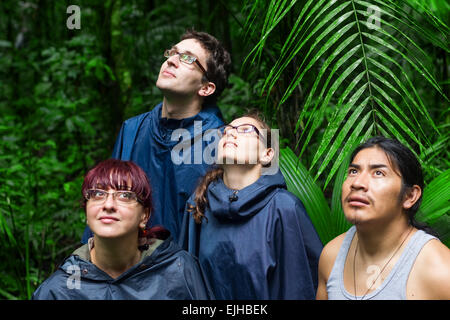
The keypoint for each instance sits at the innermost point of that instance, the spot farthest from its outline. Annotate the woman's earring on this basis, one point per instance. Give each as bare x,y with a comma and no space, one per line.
142,239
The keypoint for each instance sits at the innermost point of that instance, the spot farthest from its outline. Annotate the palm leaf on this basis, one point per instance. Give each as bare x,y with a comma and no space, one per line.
435,207
436,199
340,223
300,183
276,10
364,74
435,150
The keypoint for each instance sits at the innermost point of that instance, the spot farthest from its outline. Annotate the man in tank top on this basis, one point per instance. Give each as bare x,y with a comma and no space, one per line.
386,254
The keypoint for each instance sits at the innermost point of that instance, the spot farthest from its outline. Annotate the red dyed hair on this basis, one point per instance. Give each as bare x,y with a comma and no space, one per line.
119,175
124,175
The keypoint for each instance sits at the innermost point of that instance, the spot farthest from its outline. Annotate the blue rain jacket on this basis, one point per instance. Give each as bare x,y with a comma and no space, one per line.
258,243
164,272
148,140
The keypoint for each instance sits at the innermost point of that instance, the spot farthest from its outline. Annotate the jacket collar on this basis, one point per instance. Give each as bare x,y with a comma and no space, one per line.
226,204
84,252
80,261
210,117
207,113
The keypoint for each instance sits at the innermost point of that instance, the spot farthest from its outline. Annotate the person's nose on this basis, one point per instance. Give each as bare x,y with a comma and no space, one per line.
110,203
231,132
360,182
174,60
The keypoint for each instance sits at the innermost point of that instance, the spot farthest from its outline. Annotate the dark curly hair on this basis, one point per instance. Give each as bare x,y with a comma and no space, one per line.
218,62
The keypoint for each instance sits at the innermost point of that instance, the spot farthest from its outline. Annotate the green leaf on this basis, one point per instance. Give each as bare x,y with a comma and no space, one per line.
343,75
351,142
300,183
436,199
6,230
341,110
292,38
268,27
380,61
343,133
337,214
8,295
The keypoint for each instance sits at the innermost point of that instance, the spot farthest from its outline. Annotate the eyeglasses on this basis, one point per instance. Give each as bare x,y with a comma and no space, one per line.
245,129
184,57
123,197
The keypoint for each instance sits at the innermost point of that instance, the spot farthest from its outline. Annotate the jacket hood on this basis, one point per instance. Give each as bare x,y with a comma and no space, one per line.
80,261
210,117
234,205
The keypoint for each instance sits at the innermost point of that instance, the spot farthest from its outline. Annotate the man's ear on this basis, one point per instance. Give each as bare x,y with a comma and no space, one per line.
267,156
411,196
207,89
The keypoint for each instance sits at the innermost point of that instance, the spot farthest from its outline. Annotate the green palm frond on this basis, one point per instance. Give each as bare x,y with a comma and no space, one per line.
363,56
300,183
436,199
435,207
338,221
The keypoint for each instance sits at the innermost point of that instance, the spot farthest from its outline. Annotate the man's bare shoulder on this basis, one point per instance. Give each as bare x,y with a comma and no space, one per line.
332,247
326,263
329,254
430,276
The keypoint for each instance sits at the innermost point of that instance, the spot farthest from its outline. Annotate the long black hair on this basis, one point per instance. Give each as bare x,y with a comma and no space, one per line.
402,158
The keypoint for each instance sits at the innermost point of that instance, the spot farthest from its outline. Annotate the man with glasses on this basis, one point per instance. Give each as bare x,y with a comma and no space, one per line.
191,79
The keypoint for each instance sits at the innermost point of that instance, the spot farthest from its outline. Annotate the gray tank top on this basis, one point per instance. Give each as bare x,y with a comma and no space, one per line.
393,287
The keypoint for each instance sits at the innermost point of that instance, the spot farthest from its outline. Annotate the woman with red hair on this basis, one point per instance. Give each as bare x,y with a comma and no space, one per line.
124,259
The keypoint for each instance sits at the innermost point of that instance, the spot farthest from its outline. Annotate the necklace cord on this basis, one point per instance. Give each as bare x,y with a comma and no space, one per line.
384,267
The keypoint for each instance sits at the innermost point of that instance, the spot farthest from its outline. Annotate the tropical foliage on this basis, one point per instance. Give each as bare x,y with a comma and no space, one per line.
328,74
355,69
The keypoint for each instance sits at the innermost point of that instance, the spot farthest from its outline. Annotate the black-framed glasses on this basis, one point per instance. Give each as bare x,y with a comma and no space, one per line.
99,196
244,129
184,57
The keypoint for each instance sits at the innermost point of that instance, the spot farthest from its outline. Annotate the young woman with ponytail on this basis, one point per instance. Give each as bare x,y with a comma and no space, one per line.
253,238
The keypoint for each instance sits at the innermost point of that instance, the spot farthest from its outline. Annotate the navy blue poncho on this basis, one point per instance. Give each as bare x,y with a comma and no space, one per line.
164,272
